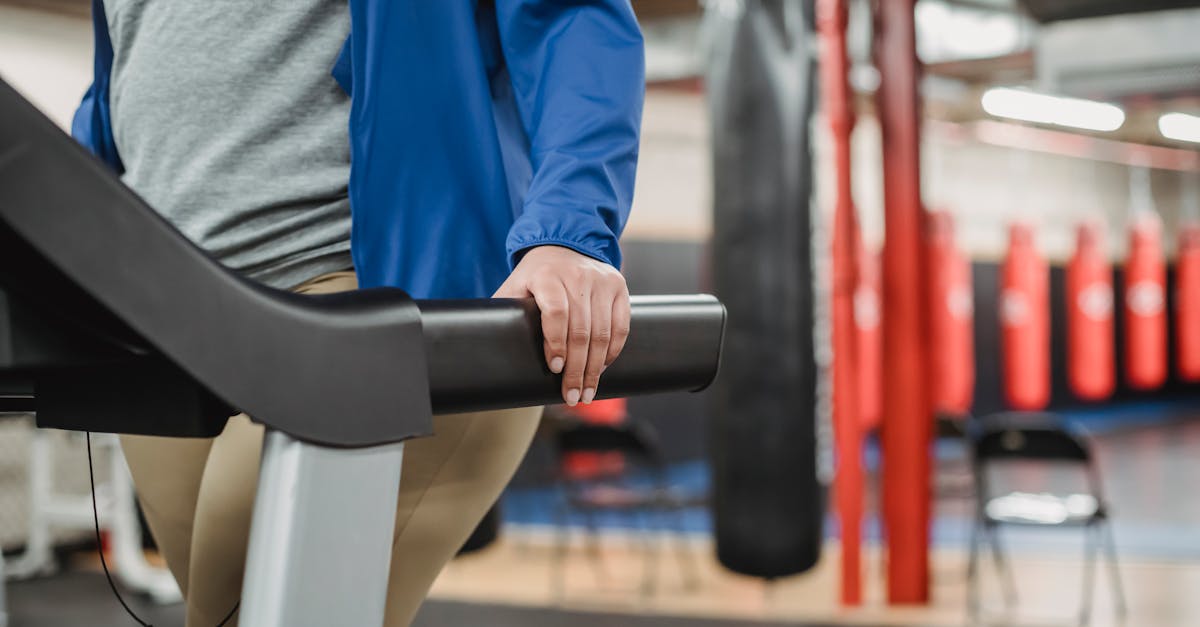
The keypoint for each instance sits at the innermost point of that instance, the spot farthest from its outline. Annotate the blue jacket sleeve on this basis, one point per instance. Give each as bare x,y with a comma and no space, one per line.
83,124
92,124
578,71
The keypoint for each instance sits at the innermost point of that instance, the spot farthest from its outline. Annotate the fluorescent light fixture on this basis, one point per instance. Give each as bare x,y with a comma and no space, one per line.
1180,126
1022,104
947,32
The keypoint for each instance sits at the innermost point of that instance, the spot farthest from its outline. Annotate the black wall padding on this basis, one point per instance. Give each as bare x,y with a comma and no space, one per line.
1057,10
767,502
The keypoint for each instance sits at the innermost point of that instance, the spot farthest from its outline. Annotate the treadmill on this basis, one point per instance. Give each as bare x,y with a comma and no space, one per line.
111,321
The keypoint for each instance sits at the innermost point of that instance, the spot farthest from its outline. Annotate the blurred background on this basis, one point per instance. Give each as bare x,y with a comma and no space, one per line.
959,241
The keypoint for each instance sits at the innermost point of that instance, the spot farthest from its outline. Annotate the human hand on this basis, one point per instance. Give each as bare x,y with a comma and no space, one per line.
585,314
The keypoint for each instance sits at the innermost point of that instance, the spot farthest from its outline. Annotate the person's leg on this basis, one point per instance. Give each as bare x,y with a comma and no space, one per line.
167,473
447,484
225,503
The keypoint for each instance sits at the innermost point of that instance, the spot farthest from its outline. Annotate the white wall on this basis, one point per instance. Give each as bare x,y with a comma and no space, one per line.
987,187
47,57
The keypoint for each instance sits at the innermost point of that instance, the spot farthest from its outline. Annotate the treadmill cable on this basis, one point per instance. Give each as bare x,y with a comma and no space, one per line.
100,548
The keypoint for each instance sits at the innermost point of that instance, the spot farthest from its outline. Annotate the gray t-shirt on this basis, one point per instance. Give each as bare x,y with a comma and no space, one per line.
230,125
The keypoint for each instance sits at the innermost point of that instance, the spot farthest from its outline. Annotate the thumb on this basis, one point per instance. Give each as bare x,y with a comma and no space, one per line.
513,287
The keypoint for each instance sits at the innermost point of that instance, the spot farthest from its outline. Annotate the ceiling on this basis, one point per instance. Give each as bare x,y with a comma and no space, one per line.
1057,10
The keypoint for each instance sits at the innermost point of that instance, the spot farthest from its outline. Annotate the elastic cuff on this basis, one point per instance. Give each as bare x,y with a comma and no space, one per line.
520,249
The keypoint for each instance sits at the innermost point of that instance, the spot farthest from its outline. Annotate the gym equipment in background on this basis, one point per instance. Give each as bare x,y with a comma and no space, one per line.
907,429
1187,304
1091,370
484,534
1144,299
1025,322
51,509
868,322
846,248
951,320
767,502
112,321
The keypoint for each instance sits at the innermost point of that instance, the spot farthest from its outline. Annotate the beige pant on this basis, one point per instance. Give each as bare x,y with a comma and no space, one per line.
198,494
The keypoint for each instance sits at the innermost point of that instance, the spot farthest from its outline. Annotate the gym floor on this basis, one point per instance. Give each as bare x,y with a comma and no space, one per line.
514,582
39,604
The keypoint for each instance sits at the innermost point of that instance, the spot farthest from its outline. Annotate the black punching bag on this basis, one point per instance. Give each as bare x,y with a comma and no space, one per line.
767,502
485,532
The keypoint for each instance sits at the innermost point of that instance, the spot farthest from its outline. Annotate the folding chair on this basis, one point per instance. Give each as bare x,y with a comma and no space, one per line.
1043,439
639,488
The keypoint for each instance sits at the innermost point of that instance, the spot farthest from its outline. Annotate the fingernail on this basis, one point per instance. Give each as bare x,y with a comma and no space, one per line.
556,365
572,396
603,368
588,395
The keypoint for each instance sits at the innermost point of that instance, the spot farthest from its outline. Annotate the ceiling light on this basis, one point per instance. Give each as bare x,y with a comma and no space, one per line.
1180,126
1021,104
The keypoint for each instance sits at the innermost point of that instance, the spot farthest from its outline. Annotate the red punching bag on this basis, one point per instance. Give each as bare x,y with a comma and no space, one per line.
1145,306
951,319
1187,303
868,340
1090,371
1025,322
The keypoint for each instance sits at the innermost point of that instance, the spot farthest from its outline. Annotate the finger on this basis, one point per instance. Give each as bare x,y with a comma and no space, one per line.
621,317
598,342
551,299
578,333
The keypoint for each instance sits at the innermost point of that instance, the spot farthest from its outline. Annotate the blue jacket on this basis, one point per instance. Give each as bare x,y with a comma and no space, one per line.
478,129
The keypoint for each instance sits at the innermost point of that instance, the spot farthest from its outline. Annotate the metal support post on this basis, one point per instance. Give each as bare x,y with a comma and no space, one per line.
321,537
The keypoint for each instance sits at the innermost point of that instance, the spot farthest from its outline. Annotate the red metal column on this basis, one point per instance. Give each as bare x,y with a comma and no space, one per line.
907,424
848,482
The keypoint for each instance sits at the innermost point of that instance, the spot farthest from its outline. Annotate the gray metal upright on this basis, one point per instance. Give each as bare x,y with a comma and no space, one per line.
321,537
3,602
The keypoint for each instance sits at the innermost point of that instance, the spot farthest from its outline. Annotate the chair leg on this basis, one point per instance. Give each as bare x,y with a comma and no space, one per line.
558,573
1003,569
1089,573
650,558
687,562
1118,589
973,574
595,554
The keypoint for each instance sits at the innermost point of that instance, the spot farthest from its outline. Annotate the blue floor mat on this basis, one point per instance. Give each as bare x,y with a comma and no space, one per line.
1135,536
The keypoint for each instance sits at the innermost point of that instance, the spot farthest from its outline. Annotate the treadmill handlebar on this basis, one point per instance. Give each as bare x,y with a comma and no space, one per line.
472,355
487,354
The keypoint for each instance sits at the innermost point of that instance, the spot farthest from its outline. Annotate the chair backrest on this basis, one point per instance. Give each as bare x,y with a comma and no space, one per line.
1027,436
631,438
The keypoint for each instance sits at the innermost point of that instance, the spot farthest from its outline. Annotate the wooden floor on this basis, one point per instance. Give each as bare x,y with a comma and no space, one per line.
518,571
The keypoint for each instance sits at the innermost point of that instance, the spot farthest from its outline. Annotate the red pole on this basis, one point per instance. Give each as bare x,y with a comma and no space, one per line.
848,482
906,420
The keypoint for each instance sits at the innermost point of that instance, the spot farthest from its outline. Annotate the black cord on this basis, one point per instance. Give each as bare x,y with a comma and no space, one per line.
100,548
99,542
230,614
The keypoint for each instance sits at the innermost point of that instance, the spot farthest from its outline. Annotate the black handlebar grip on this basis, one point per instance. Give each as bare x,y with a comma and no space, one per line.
487,354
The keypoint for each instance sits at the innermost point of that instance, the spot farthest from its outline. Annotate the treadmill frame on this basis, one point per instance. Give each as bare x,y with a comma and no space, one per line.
321,535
